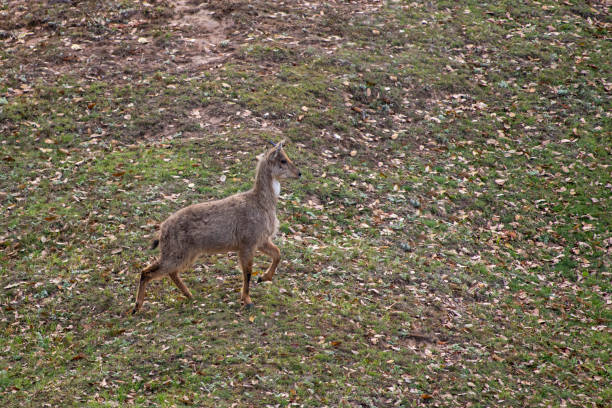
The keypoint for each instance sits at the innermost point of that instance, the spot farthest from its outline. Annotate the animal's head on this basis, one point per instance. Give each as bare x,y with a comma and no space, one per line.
279,163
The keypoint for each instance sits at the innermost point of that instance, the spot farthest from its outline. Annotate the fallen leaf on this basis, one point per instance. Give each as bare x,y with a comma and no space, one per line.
14,285
79,356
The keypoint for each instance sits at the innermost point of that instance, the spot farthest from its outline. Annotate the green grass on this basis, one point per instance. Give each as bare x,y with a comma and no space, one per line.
448,245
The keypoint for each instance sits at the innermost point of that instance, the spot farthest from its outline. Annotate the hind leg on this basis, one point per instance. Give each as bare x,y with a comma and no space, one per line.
154,271
181,285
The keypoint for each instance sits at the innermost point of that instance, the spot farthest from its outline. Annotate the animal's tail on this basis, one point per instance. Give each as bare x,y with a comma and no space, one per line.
155,244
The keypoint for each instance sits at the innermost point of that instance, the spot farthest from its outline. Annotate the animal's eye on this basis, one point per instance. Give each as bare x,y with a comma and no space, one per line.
283,161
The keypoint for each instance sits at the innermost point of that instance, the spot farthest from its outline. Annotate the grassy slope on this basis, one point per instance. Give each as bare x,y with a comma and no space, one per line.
449,245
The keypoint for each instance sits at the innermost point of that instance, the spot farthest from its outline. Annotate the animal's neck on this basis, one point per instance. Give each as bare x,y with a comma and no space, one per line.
266,187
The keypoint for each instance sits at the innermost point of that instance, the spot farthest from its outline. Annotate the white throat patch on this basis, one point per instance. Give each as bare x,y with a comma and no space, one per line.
276,187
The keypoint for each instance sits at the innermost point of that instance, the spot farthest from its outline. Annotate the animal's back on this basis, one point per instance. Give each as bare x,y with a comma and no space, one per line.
209,227
217,226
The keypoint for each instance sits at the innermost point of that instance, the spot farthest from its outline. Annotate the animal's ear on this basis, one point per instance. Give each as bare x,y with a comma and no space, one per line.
276,149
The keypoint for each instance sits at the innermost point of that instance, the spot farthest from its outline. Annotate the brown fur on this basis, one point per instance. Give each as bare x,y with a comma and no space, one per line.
242,223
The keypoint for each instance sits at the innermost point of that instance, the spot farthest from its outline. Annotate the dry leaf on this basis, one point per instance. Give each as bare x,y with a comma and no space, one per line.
14,285
79,356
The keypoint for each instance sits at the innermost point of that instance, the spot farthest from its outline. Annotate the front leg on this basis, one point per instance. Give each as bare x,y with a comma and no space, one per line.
246,263
272,251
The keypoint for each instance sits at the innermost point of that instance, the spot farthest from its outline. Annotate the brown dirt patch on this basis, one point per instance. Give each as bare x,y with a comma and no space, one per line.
87,39
122,42
203,35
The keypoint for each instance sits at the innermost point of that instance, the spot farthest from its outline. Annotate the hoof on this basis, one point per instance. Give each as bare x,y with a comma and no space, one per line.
249,306
135,309
259,280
